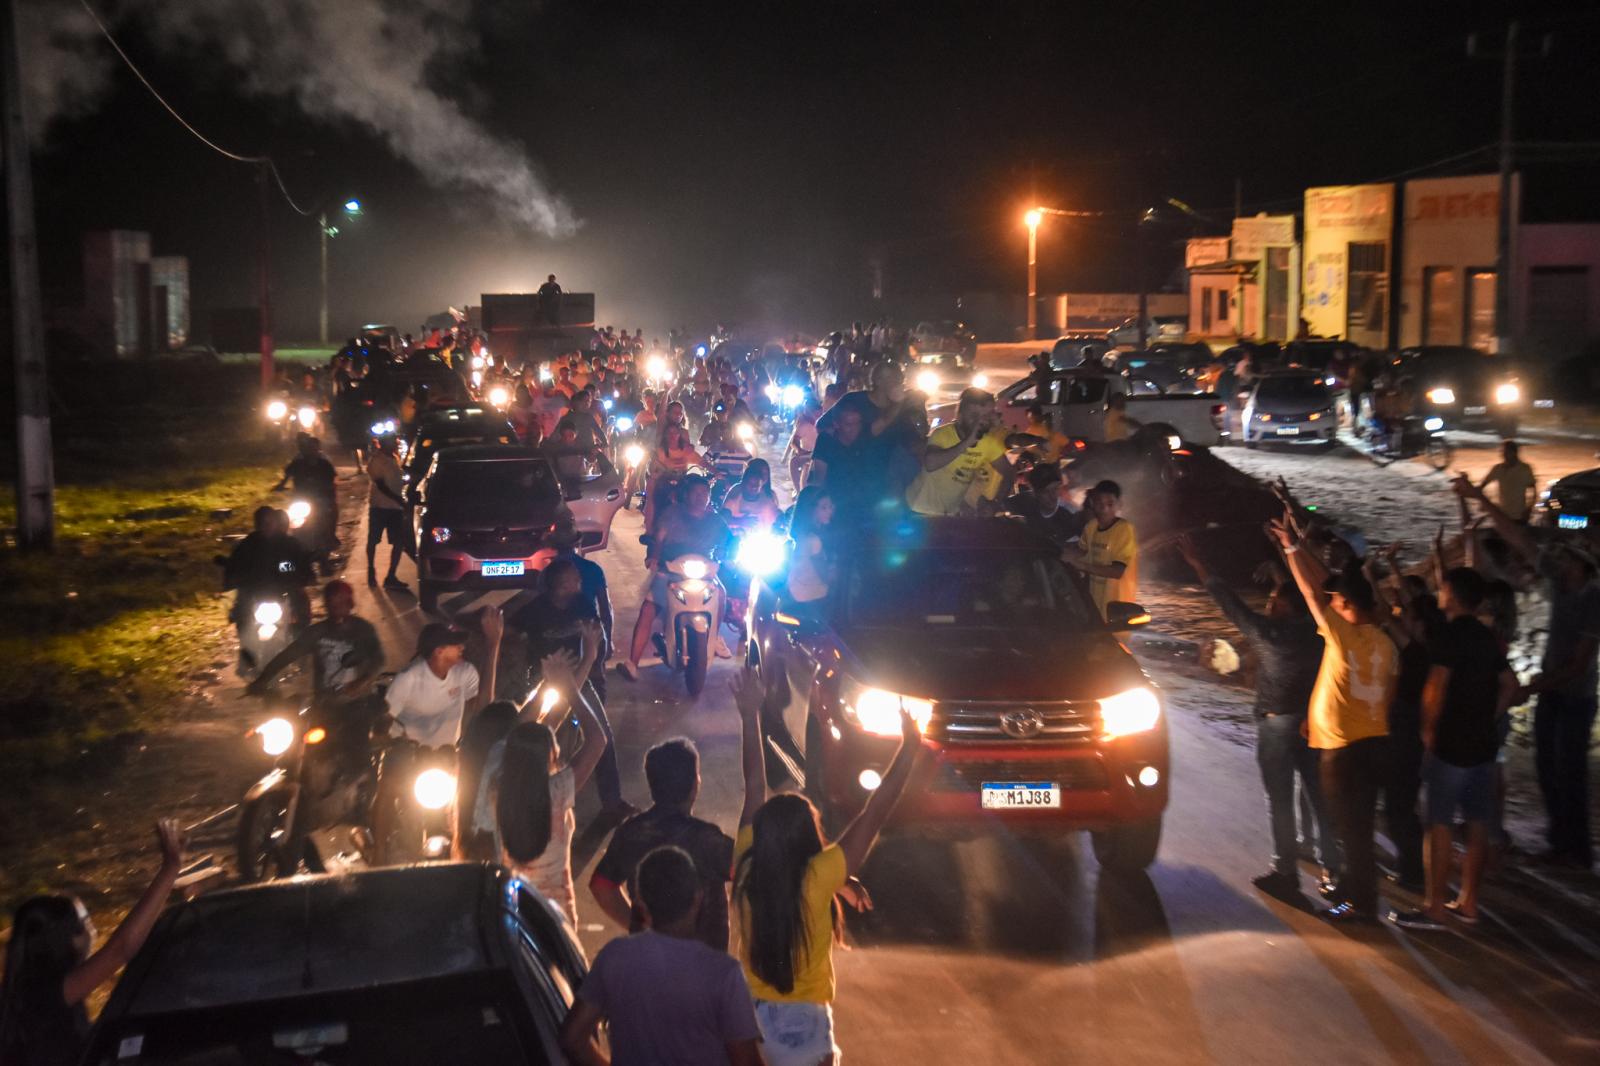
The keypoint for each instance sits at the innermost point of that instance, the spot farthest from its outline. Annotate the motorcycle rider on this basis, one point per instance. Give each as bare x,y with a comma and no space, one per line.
269,562
690,527
718,435
314,478
752,504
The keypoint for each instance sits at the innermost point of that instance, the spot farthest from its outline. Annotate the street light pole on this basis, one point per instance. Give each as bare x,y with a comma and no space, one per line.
1032,218
322,307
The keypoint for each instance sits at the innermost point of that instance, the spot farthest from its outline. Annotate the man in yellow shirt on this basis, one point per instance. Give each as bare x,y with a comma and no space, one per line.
1348,720
965,461
1108,550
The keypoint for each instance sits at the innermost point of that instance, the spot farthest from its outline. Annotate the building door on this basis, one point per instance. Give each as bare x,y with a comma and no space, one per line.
1558,309
1441,306
1367,293
1205,311
1480,308
1276,294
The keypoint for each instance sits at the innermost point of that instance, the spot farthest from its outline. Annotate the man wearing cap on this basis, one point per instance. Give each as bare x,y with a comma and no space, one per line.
1348,719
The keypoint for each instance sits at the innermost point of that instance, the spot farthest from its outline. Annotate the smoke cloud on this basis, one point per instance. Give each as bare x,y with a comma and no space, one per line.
363,61
63,74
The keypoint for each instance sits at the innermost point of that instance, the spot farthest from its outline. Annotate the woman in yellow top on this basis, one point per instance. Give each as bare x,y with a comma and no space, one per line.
785,877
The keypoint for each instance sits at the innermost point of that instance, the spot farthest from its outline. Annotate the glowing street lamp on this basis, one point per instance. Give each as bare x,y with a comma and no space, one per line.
352,207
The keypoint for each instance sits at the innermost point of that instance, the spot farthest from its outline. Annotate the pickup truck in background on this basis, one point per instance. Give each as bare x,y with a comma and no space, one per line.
1076,403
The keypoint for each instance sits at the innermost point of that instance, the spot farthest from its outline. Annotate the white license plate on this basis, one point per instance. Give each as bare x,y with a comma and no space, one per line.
1476,410
1288,431
507,568
1572,521
1010,796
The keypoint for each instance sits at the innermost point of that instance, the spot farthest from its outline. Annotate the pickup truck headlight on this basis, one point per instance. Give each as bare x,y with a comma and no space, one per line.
1443,396
1134,711
877,711
1509,392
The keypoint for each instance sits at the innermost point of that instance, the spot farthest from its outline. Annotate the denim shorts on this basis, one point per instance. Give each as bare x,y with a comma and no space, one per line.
1468,789
796,1034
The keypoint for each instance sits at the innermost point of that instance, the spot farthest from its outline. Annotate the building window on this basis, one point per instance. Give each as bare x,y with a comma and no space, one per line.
1222,305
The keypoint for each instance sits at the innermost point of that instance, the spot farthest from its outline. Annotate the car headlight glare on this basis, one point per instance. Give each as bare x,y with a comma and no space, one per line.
1134,711
877,711
927,381
276,735
277,410
793,395
1509,392
1433,425
435,788
1442,395
980,380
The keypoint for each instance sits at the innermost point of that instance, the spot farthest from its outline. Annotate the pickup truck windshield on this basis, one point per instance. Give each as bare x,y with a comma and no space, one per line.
966,589
528,479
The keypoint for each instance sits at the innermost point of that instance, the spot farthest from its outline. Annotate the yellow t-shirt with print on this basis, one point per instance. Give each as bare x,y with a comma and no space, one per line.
813,969
970,474
1118,544
1354,684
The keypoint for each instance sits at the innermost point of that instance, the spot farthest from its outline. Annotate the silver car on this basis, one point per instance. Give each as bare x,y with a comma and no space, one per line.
1295,407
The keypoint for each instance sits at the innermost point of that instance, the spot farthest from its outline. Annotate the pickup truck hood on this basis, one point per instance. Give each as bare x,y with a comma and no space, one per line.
494,513
989,664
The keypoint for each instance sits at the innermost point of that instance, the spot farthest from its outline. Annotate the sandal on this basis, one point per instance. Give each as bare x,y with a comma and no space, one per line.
628,670
1454,907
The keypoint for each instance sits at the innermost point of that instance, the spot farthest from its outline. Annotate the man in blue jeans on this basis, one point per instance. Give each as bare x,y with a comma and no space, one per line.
1288,653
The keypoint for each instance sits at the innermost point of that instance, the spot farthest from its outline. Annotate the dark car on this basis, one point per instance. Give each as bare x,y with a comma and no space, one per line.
1464,387
1573,502
438,963
1040,719
944,337
1291,406
1166,368
484,516
451,427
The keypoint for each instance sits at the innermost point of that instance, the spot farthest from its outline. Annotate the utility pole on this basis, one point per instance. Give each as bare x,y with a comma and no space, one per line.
264,263
36,520
322,307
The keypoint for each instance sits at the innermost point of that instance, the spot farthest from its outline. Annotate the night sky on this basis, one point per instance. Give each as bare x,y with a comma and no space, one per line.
752,162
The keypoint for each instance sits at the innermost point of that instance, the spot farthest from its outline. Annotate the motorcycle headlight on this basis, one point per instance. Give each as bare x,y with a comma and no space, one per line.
980,380
1510,392
477,362
877,711
694,569
607,404
307,417
499,397
1443,396
276,735
927,381
277,410
435,789
1433,425
761,554
1134,711
656,366
299,511
269,613
772,392
624,424
746,431
544,372
477,378
634,454
793,395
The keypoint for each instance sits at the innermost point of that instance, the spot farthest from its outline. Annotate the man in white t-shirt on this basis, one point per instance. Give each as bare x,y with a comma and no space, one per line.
1515,487
429,701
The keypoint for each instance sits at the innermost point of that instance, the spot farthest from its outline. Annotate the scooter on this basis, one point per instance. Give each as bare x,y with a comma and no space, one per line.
266,626
312,527
311,786
694,610
423,799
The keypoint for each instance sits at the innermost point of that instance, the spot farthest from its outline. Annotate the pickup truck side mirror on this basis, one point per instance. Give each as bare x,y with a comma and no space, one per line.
1122,616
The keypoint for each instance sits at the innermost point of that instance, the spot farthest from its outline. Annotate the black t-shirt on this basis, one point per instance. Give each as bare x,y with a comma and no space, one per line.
550,628
709,847
684,534
1058,527
312,475
268,563
1466,733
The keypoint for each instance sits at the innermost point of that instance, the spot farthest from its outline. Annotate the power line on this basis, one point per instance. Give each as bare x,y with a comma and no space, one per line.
185,123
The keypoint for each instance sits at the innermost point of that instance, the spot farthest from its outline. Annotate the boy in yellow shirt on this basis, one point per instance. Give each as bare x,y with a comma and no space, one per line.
1108,549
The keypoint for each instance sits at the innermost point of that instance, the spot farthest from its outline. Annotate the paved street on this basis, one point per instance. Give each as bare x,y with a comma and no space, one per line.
1005,950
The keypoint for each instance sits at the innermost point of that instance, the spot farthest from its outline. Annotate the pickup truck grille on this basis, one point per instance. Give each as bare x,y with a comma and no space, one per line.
509,544
1012,723
1073,775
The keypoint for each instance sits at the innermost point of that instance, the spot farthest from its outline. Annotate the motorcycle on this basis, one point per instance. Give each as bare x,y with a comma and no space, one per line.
266,626
759,554
312,527
785,402
694,610
309,788
419,822
286,418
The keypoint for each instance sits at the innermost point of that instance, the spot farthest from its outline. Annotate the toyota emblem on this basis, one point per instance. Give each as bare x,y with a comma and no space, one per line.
1024,723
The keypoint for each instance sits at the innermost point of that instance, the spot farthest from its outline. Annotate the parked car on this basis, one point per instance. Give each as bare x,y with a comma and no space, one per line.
1040,720
452,427
1167,368
944,336
437,963
1295,406
1076,402
1158,329
1573,502
483,519
1465,388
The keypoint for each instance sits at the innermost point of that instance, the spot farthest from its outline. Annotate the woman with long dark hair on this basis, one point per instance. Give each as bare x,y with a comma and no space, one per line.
786,875
752,504
810,564
530,784
50,969
478,738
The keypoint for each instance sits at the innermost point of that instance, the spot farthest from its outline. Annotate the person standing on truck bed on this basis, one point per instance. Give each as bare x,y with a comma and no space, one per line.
550,301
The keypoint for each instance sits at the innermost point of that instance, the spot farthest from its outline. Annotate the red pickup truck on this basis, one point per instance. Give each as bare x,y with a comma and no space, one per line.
1041,719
